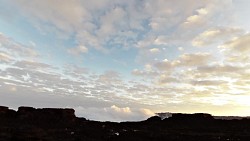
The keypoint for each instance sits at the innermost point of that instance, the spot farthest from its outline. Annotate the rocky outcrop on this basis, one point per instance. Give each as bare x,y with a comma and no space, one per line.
5,112
58,115
194,117
154,119
48,124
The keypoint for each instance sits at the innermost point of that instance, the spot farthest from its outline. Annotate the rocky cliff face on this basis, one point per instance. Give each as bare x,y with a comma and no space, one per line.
46,114
30,124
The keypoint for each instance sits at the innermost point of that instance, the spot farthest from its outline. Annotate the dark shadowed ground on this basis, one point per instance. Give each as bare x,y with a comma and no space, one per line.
30,124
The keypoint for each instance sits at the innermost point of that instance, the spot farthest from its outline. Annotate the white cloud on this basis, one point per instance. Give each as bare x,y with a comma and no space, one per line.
195,59
161,40
32,65
114,113
97,24
180,48
5,58
155,27
125,110
214,35
208,12
184,60
154,50
16,50
164,65
64,15
208,82
78,50
239,44
199,18
146,73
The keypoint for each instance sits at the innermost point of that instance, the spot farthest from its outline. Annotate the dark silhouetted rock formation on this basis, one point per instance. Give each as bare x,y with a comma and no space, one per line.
30,124
154,119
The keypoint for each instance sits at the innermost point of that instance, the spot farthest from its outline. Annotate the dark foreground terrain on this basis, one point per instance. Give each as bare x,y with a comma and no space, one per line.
30,124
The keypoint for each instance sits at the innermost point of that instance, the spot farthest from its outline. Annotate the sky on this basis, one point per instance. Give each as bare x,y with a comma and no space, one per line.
122,60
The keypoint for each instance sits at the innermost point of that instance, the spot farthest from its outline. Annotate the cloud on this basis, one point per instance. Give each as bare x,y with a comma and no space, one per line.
154,50
37,83
172,78
5,58
167,79
208,12
180,48
208,82
146,73
110,76
214,35
125,110
164,65
184,60
198,18
15,50
114,113
161,40
65,16
78,50
195,59
220,68
108,23
32,65
239,44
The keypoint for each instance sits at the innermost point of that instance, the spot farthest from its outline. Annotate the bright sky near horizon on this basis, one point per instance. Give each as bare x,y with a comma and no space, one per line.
126,59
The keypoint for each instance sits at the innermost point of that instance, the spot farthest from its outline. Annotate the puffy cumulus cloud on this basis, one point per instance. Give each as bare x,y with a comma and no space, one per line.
168,72
147,72
115,23
163,12
210,11
237,50
199,18
239,44
167,79
125,110
110,20
199,78
164,65
168,31
109,77
78,50
214,35
161,40
166,22
184,60
195,59
114,113
91,23
190,78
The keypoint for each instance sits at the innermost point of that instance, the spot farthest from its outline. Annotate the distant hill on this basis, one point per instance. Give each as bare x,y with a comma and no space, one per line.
48,124
169,114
